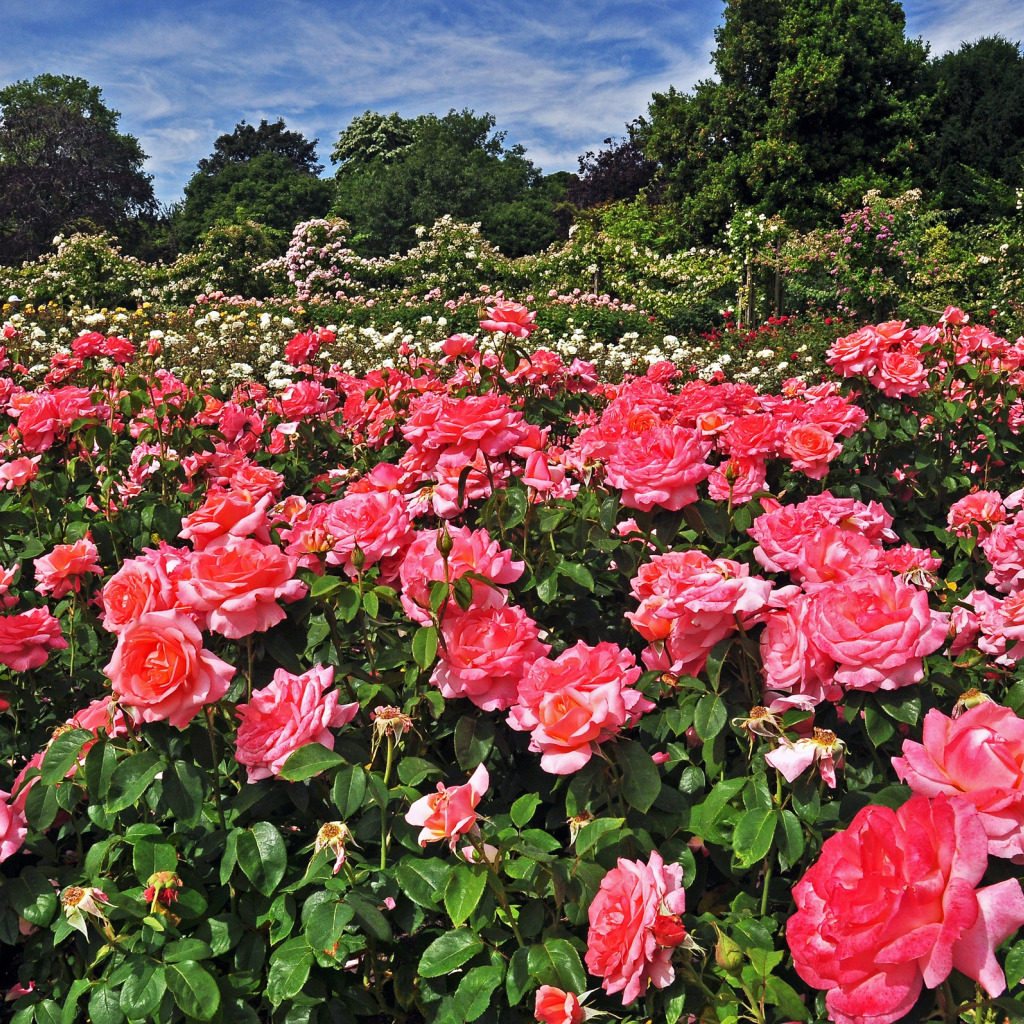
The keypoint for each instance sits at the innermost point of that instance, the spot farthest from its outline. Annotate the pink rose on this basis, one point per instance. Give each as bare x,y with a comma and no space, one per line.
577,701
144,584
236,583
161,668
227,512
899,374
19,472
635,926
791,662
62,570
978,511
659,466
27,638
978,757
486,652
553,1006
891,906
877,629
472,551
13,826
377,522
810,449
510,317
287,713
450,813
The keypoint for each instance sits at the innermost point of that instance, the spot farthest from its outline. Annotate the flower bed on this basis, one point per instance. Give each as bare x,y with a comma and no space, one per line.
479,688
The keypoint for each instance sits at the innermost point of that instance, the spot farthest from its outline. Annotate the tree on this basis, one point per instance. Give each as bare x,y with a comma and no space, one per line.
620,171
64,165
973,155
816,101
397,174
265,174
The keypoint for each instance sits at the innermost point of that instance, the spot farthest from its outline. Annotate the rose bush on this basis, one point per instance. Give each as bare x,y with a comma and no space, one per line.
423,693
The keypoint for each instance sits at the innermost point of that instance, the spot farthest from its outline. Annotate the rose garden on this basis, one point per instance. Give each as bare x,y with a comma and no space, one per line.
499,682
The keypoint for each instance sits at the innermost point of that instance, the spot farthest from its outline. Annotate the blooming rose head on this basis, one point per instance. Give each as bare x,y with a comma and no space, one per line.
635,926
287,713
160,668
978,511
553,1006
511,318
891,906
27,638
450,812
977,756
63,569
577,701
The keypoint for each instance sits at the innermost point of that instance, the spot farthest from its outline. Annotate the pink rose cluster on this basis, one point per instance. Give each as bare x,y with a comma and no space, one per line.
898,359
688,603
656,446
858,616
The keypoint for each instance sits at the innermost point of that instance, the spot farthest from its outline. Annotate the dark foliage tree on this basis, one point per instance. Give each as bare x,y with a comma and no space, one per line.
816,101
64,165
266,174
619,171
456,165
972,157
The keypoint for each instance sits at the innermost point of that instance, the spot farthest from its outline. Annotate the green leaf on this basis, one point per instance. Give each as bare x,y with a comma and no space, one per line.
324,586
524,808
348,604
463,892
309,760
423,880
349,790
104,1007
194,989
474,738
753,835
62,753
577,573
641,780
371,604
143,989
373,921
765,961
710,716
424,646
1015,965
791,838
131,779
556,962
289,968
448,952
33,896
327,924
590,835
547,585
473,995
518,981
184,788
263,856
150,856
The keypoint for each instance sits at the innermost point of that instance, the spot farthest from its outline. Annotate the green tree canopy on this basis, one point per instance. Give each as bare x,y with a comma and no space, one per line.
973,154
396,174
64,165
816,101
266,174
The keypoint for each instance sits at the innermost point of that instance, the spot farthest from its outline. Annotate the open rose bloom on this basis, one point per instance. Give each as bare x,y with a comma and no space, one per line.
892,906
450,813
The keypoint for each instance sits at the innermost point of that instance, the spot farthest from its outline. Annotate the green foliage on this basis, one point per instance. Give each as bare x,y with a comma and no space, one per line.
63,163
397,175
810,96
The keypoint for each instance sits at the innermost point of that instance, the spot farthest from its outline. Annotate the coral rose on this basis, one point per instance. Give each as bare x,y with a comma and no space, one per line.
630,946
485,654
978,757
236,583
27,638
553,1006
577,701
660,466
62,570
13,826
287,713
891,906
511,318
450,813
160,668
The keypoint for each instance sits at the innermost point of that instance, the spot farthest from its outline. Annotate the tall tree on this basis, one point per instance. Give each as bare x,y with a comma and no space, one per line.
266,174
973,154
619,171
816,101
63,165
397,174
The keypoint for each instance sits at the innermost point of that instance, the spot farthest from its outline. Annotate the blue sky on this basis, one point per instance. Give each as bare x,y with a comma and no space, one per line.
559,76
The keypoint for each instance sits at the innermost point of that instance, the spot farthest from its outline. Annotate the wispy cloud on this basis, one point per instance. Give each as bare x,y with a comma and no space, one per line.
558,76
